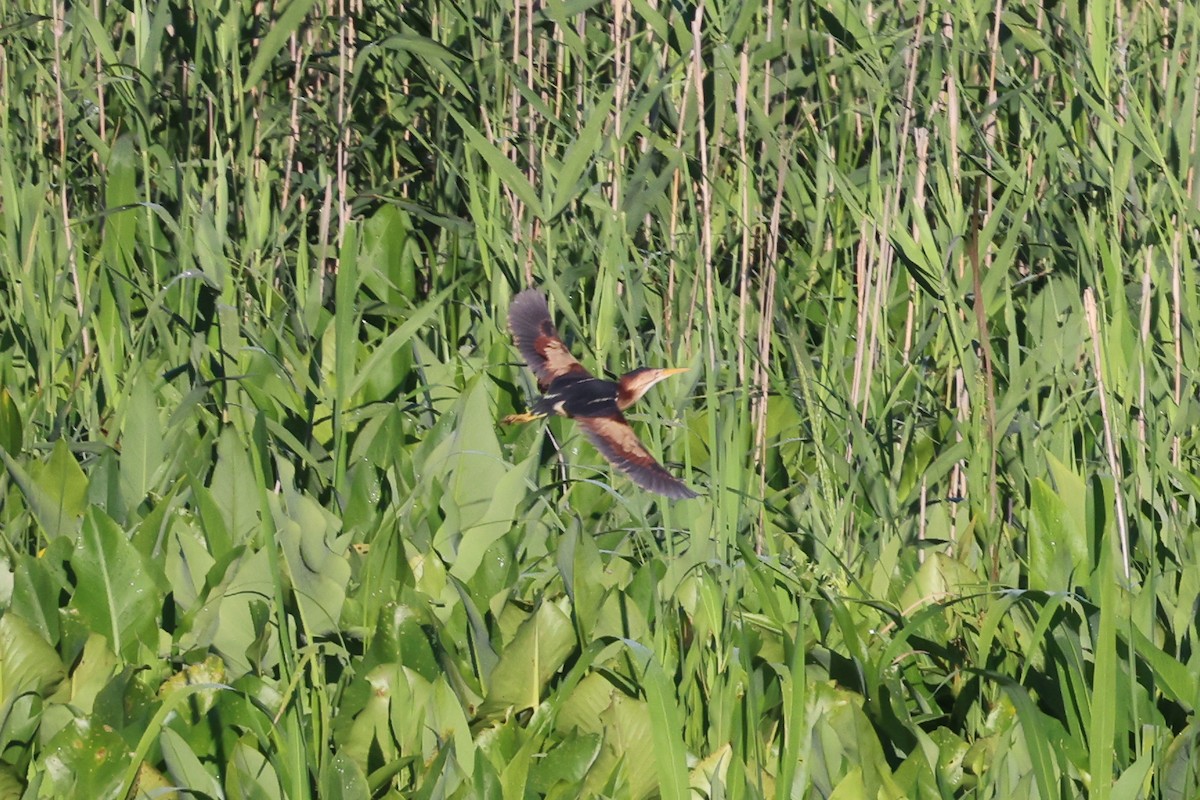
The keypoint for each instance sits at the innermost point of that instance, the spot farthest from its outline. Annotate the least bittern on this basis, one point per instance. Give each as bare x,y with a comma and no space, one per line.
569,390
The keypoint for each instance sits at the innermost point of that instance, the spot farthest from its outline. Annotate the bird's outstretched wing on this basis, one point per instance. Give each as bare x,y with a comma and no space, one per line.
617,442
538,340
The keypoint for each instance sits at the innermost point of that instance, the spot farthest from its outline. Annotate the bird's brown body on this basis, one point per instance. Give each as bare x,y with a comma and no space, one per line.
569,390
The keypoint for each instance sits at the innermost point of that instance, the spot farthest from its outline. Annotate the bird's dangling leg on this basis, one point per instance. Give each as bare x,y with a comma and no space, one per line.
513,419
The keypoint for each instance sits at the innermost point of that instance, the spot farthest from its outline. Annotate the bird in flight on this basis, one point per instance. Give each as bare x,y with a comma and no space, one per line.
569,390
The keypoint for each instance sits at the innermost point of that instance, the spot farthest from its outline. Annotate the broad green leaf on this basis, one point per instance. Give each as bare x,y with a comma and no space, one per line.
93,672
474,469
151,532
938,578
1178,763
341,779
1073,492
852,786
152,784
596,706
915,776
11,786
235,619
513,762
12,432
567,763
850,745
151,731
114,595
1032,728
363,728
319,573
1135,783
360,511
90,760
1058,551
388,263
666,725
235,491
385,351
434,777
509,492
1177,680
250,775
186,566
35,597
28,664
412,643
448,717
142,448
122,199
211,520
269,387
56,490
580,564
540,647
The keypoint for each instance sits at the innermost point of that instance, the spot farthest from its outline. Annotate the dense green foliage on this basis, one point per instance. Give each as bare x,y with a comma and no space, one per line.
934,272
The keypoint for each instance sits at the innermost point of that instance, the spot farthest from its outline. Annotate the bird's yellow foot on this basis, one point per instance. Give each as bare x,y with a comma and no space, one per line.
513,419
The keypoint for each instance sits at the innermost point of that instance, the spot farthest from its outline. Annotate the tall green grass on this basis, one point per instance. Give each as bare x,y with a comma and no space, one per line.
933,270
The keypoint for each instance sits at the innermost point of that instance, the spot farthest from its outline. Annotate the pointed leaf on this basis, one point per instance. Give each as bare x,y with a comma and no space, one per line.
90,759
342,779
540,647
506,170
319,574
56,491
581,152
567,763
235,491
666,726
385,351
11,428
286,25
474,468
114,595
184,767
27,663
1058,550
35,596
142,449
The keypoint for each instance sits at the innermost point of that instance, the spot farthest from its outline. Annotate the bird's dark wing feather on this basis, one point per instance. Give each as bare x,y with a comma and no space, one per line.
617,442
538,340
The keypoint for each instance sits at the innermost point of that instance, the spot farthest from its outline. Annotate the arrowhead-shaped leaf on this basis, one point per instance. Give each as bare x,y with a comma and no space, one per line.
142,448
114,595
56,490
319,574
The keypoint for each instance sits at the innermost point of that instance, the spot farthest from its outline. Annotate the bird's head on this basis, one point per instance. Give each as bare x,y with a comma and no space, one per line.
632,385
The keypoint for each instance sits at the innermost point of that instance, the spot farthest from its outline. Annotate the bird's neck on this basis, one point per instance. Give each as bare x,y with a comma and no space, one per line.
627,397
